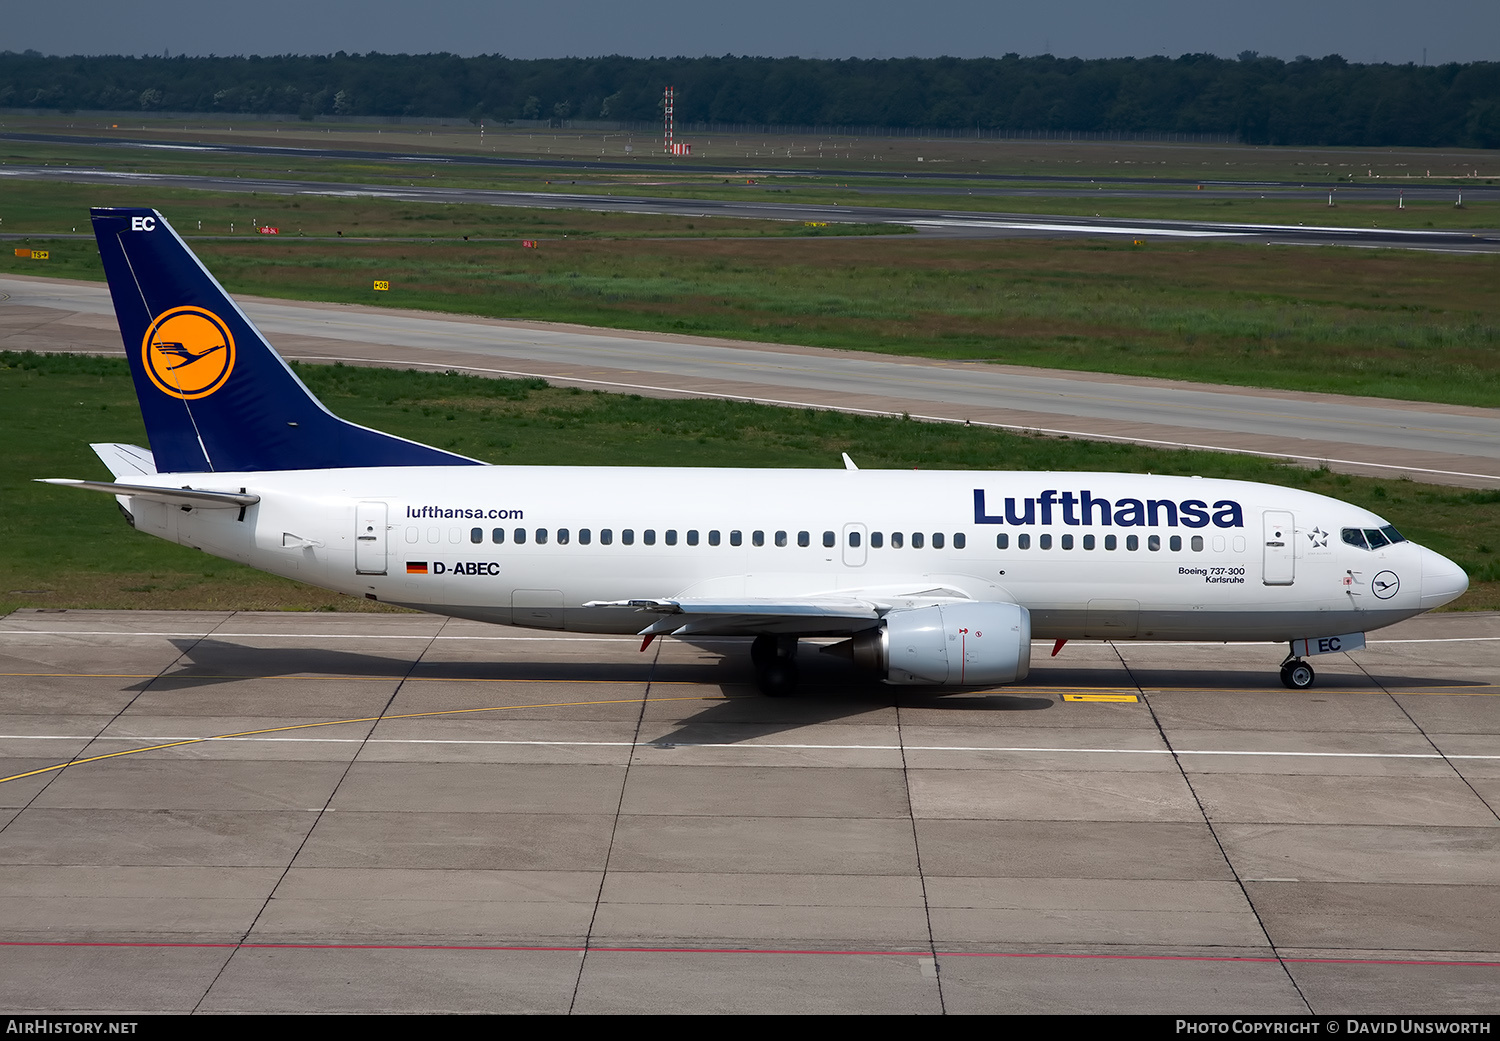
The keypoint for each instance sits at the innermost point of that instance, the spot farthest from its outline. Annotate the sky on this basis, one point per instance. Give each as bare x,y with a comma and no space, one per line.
1395,31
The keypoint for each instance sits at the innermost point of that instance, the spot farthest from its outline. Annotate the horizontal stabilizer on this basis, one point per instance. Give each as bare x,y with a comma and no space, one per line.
204,500
126,460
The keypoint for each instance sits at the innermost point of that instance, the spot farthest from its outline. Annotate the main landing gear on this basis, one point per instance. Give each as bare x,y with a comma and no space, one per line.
775,661
1296,674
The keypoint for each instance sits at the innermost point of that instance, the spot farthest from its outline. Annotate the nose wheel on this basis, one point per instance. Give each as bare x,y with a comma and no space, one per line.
1296,674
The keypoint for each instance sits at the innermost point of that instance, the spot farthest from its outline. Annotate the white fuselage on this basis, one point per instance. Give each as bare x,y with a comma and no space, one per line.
1089,554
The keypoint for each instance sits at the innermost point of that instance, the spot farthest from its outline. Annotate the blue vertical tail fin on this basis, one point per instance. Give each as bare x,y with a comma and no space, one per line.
214,393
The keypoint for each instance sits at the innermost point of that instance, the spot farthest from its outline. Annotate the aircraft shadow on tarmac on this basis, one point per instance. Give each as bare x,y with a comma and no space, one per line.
829,690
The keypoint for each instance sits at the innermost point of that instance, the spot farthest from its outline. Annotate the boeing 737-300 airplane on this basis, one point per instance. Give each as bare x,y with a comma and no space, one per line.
937,578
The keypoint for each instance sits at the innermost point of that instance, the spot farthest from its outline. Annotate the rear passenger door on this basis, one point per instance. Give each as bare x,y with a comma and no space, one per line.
370,538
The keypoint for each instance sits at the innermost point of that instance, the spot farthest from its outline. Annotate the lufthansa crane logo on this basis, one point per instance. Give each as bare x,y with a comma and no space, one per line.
188,352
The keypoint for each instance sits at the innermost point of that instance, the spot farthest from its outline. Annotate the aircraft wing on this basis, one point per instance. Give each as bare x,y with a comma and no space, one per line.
750,615
829,614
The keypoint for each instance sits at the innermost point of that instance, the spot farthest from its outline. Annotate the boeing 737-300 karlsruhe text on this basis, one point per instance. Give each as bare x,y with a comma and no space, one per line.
936,577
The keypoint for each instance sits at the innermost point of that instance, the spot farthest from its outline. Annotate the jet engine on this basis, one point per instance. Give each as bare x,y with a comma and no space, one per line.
962,644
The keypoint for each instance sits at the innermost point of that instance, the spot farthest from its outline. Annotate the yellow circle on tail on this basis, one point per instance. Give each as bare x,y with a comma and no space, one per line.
188,352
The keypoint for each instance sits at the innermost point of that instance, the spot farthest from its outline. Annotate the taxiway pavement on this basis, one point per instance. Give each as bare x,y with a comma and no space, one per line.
1445,444
370,813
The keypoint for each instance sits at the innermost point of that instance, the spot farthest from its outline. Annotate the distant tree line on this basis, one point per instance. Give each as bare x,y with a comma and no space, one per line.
1324,101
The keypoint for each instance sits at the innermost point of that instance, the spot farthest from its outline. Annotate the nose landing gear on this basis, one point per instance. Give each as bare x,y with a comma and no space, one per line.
1296,674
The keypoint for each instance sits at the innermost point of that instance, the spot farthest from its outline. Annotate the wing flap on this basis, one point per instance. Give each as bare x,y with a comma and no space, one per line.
684,616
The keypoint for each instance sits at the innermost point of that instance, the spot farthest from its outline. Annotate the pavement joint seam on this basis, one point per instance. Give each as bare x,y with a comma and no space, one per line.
614,828
1212,831
182,652
916,843
318,817
1425,736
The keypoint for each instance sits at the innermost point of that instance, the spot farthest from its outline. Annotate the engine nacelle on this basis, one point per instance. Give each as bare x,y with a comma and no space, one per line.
963,644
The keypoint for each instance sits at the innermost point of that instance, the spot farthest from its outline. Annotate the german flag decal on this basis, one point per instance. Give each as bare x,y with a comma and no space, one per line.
416,567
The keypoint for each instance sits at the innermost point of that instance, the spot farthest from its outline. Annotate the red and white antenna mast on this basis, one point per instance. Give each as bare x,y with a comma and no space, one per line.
667,125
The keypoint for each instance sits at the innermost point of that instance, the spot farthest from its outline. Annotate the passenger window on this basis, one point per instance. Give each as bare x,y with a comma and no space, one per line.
455,536
1176,543
412,534
1088,542
896,540
804,539
735,538
713,538
692,539
853,539
1153,543
628,536
649,536
1355,537
519,536
960,540
757,538
1111,542
937,540
877,540
541,536
562,536
1023,541
671,537
1197,543
434,534
829,540
916,540
476,535
781,538
1132,542
1002,541
1067,542
606,536
1044,541
497,536
1218,543
585,536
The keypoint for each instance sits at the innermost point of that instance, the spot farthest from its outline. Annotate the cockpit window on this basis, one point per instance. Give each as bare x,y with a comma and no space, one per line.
1373,538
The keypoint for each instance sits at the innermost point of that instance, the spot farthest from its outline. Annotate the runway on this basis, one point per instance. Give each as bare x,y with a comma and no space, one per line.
372,813
646,162
930,221
1445,444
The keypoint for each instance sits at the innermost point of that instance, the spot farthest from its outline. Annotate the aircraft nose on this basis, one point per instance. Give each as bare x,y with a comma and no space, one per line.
1442,580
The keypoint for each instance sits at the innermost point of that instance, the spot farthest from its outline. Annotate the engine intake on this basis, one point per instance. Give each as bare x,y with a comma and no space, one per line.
964,644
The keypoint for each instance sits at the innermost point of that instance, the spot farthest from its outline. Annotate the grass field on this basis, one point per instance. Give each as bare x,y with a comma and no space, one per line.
71,549
40,209
1377,322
